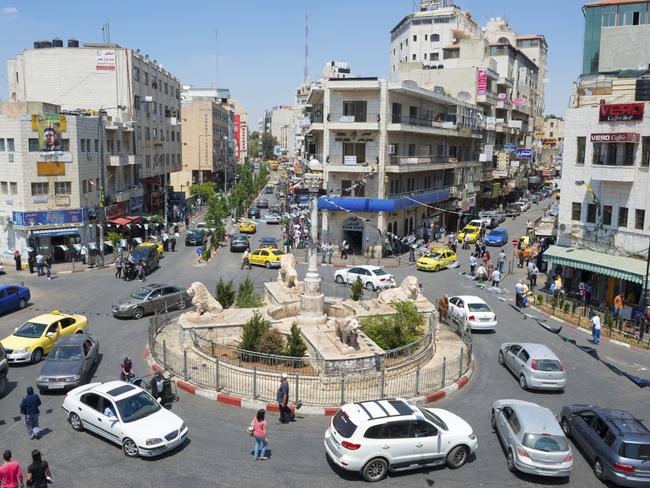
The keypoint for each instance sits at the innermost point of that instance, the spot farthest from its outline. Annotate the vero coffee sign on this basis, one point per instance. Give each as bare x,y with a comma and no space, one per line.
621,112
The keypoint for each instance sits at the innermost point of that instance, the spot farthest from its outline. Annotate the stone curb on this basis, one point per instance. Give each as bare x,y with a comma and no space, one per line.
236,401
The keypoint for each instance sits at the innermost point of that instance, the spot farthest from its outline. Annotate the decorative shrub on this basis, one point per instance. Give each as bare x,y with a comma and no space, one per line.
296,346
271,342
253,331
225,293
399,329
356,290
246,297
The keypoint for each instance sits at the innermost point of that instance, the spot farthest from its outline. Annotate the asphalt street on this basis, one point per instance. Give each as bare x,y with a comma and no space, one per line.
218,452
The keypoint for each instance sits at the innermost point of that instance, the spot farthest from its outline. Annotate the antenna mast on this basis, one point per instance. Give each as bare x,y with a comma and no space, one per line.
306,72
216,58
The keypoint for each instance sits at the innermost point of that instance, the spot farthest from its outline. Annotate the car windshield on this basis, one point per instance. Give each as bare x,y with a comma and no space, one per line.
239,238
478,307
140,254
65,353
548,365
632,450
379,272
31,330
194,232
343,425
545,442
277,252
434,255
141,293
137,407
496,232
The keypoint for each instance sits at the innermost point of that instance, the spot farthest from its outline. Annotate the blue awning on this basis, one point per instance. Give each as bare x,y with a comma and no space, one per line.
56,232
374,205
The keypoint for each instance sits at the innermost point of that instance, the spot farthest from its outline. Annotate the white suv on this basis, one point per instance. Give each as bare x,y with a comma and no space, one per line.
378,436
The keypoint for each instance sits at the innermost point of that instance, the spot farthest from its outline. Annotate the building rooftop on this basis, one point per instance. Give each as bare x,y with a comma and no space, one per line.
603,3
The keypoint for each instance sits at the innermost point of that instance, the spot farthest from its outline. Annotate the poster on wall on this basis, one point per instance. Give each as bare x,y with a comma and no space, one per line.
481,81
105,60
49,128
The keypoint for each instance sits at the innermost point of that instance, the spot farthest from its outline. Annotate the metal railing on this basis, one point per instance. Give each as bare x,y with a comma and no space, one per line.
358,118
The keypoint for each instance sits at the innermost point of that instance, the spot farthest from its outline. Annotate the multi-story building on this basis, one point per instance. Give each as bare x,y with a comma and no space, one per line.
604,220
50,198
549,141
241,132
279,121
394,157
138,94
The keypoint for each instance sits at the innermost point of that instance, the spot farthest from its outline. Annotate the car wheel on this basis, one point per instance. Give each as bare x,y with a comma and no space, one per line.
493,420
129,448
182,304
457,457
501,359
370,286
375,470
22,303
37,355
565,427
522,382
138,313
436,269
267,265
75,422
511,461
339,279
80,331
598,470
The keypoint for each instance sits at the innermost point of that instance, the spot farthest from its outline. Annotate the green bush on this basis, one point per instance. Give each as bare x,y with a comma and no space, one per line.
246,297
567,307
399,329
554,302
253,331
114,239
271,342
296,346
540,298
356,291
205,255
225,293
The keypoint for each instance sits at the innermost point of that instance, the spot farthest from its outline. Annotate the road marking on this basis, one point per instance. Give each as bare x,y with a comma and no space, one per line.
626,346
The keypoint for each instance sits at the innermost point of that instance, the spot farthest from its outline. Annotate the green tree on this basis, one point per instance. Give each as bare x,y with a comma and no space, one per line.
268,142
252,332
202,190
356,290
254,145
246,296
156,219
114,238
296,346
225,293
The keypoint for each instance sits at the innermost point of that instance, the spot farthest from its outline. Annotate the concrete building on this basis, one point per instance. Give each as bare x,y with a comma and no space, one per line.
604,220
49,199
549,142
393,155
136,92
280,122
241,132
336,69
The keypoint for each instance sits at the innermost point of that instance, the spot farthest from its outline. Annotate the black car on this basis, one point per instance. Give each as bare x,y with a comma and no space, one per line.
195,237
149,255
263,203
268,190
69,364
239,242
268,242
254,213
4,368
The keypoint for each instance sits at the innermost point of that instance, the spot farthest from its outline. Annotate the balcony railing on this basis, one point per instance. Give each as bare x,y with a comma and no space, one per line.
419,191
340,160
340,118
397,118
415,160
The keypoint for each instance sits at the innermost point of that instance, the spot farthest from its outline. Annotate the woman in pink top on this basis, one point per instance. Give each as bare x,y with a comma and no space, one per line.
259,432
10,473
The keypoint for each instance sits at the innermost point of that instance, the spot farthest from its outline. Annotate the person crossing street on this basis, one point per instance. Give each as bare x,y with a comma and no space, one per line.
245,261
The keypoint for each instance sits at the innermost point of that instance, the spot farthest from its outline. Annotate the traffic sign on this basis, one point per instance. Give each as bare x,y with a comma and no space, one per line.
199,250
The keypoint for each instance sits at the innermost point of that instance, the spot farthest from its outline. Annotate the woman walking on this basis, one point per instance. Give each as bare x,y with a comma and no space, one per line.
258,431
38,473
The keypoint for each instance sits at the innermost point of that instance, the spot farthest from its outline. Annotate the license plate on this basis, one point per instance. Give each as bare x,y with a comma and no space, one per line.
55,387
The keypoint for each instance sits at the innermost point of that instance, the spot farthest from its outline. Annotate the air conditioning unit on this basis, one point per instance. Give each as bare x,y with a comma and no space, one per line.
391,149
565,229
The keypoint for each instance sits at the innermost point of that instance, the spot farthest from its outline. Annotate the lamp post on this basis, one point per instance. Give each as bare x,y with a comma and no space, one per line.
645,296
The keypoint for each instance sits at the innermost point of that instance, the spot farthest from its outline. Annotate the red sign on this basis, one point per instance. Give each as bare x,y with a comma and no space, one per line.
117,210
616,137
621,112
481,81
237,136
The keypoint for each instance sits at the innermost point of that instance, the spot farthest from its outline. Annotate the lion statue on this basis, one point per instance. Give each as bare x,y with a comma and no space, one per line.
202,300
347,330
408,290
287,273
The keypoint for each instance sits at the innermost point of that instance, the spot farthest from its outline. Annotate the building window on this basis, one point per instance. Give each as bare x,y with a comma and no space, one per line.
426,37
136,74
82,145
607,215
147,134
434,56
146,78
435,37
3,187
65,145
576,210
356,109
10,145
581,145
40,189
32,144
622,216
591,213
147,160
13,188
2,145
96,145
628,153
355,149
645,151
414,57
411,150
62,187
639,219
612,150
451,53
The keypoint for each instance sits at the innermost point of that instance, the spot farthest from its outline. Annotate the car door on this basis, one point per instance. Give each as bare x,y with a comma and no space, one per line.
13,295
5,304
401,445
583,431
511,356
90,356
154,301
67,325
88,410
51,335
521,361
429,441
508,426
453,307
171,297
352,275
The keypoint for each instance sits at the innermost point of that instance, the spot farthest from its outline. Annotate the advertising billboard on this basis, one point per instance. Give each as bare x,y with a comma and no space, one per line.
105,60
49,217
237,120
481,81
621,112
49,128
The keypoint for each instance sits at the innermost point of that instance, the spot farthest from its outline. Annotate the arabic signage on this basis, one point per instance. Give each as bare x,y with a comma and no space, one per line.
237,121
49,217
481,81
105,60
621,112
524,152
616,137
349,160
509,147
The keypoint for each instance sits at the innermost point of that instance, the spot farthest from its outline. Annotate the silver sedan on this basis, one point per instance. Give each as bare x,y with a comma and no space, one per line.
535,365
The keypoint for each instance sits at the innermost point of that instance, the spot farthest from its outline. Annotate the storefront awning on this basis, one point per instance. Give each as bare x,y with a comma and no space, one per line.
621,267
120,221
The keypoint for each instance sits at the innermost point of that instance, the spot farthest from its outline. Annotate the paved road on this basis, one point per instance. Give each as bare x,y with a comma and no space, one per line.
218,450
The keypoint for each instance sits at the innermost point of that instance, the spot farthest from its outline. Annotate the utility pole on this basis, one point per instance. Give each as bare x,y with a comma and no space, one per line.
306,72
645,297
102,177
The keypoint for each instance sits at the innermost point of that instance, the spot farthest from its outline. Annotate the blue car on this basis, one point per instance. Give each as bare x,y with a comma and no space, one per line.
496,237
13,297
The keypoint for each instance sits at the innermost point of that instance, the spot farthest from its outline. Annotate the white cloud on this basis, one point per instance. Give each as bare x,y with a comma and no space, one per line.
9,10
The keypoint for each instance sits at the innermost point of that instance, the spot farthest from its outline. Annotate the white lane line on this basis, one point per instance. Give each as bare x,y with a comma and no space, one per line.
626,346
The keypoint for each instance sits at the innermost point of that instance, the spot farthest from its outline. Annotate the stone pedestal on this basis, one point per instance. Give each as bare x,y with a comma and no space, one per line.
312,301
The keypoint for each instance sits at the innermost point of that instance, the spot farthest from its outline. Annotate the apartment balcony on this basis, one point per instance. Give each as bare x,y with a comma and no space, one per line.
127,194
504,103
489,99
362,121
350,164
619,173
505,82
124,159
428,126
392,203
411,164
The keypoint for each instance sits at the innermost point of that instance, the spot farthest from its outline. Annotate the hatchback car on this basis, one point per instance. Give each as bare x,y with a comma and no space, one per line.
532,438
247,226
372,277
69,364
614,441
254,213
151,298
239,242
472,312
535,365
273,218
497,237
378,436
126,415
269,258
470,233
436,259
13,297
195,237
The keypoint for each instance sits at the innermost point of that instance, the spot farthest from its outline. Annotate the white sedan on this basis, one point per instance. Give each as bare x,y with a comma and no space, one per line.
127,415
372,277
472,312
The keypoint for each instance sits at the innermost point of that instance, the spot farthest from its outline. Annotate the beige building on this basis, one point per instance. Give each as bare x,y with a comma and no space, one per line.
136,92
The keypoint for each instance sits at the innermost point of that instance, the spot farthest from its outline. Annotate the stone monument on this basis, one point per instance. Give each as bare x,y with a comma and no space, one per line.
312,298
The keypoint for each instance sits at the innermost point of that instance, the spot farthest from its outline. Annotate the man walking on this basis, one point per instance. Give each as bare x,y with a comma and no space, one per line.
282,397
40,262
323,252
83,252
501,261
48,265
173,243
496,278
595,328
29,408
330,251
10,473
344,249
245,261
618,307
118,267
534,271
472,263
519,293
18,260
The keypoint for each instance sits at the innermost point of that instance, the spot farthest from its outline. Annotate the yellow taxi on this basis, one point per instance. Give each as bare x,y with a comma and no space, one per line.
36,337
266,256
471,233
436,259
247,226
158,244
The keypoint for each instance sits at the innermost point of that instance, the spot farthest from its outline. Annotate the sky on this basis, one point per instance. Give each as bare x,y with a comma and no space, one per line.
256,48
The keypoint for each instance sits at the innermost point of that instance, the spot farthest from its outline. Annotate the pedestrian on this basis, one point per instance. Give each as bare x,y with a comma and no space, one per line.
344,249
18,260
282,397
519,293
501,261
472,264
496,277
48,266
83,252
489,266
118,267
258,430
38,473
29,408
173,243
618,307
330,251
595,328
443,307
481,273
245,261
126,369
465,244
323,252
142,272
533,276
529,227
11,475
30,262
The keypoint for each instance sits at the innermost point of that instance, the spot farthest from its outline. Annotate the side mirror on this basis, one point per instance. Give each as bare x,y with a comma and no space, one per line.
159,400
50,334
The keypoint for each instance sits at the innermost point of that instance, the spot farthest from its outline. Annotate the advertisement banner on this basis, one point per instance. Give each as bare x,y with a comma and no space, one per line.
616,137
237,120
481,81
509,147
621,112
349,160
49,217
105,60
49,128
48,168
489,151
524,152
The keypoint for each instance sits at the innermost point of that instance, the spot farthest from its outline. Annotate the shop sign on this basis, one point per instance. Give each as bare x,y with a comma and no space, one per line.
117,210
621,112
524,152
354,225
481,81
49,217
47,168
616,137
349,160
105,60
509,147
489,151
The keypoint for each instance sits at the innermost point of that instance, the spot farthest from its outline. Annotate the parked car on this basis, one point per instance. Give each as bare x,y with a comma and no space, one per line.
158,245
195,237
268,190
491,218
378,436
148,255
372,277
4,369
203,226
273,218
135,420
263,203
532,438
524,204
151,298
483,223
239,243
69,364
269,258
436,259
496,237
472,312
615,442
13,297
535,365
268,242
514,209
274,209
36,337
254,213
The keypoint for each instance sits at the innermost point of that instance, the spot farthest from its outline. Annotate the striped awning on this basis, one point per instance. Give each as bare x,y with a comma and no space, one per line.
629,269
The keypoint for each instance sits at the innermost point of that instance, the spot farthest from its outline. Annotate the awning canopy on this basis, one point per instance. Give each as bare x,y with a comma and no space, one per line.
56,232
120,221
621,267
